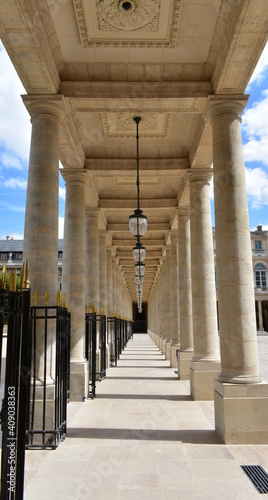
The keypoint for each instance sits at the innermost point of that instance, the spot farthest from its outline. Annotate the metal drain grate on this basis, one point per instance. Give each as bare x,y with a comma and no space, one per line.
258,477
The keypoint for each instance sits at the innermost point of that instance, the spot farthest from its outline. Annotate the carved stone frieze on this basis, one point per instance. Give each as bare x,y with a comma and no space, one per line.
122,124
112,23
135,15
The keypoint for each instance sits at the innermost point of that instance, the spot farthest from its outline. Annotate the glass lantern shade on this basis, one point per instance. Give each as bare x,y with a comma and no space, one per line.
138,223
138,280
139,252
139,269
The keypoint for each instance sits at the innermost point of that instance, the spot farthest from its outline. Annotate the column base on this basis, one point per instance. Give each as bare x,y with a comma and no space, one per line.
184,363
79,379
202,377
107,356
241,412
168,348
163,346
174,354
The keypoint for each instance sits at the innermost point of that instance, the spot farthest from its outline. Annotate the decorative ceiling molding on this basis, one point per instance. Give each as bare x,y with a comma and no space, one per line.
136,23
122,124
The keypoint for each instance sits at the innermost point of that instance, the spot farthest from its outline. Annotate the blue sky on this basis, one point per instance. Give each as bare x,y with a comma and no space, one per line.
15,133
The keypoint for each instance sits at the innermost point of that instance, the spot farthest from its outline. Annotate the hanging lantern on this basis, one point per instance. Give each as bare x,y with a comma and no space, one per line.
139,252
139,269
138,223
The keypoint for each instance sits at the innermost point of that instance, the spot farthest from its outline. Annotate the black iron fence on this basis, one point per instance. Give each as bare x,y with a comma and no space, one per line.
120,331
95,349
101,333
90,351
15,382
50,376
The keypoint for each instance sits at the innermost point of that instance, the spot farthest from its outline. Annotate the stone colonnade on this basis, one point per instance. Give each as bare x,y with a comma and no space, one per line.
230,376
186,324
90,277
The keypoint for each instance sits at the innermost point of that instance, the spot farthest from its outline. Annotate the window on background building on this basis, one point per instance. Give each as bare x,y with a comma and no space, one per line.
3,256
60,255
258,245
260,276
19,256
60,271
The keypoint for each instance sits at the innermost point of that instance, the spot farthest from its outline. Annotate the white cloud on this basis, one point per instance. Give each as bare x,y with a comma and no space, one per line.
255,126
9,160
15,128
61,228
16,183
261,68
257,187
62,193
11,207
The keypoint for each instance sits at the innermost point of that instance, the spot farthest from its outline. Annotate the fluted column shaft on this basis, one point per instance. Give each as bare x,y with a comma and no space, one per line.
103,271
109,280
92,257
41,216
205,329
73,279
185,281
175,334
238,339
167,295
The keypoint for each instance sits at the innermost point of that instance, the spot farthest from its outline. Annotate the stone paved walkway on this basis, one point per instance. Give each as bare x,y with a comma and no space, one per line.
142,438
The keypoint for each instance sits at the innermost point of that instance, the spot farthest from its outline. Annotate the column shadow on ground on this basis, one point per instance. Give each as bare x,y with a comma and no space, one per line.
146,396
201,436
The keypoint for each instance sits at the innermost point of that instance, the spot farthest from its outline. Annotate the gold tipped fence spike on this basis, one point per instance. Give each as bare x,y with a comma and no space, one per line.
46,298
86,308
4,275
35,298
58,298
27,282
22,276
64,301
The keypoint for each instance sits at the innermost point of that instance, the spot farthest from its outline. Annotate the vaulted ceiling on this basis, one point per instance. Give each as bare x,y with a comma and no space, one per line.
114,59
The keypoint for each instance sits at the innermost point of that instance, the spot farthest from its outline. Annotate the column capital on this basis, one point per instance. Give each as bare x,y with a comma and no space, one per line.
103,234
93,212
220,105
74,175
200,175
174,233
183,212
51,106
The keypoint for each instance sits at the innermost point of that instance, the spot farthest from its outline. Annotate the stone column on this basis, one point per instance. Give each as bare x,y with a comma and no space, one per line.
167,302
115,283
185,294
109,280
41,235
241,402
261,329
205,366
161,305
174,299
92,257
102,271
73,279
103,282
40,245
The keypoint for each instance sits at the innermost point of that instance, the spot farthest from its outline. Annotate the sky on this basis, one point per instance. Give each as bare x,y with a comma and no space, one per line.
15,135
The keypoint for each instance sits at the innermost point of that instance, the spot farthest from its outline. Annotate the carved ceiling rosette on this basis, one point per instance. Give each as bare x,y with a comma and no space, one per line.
134,15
